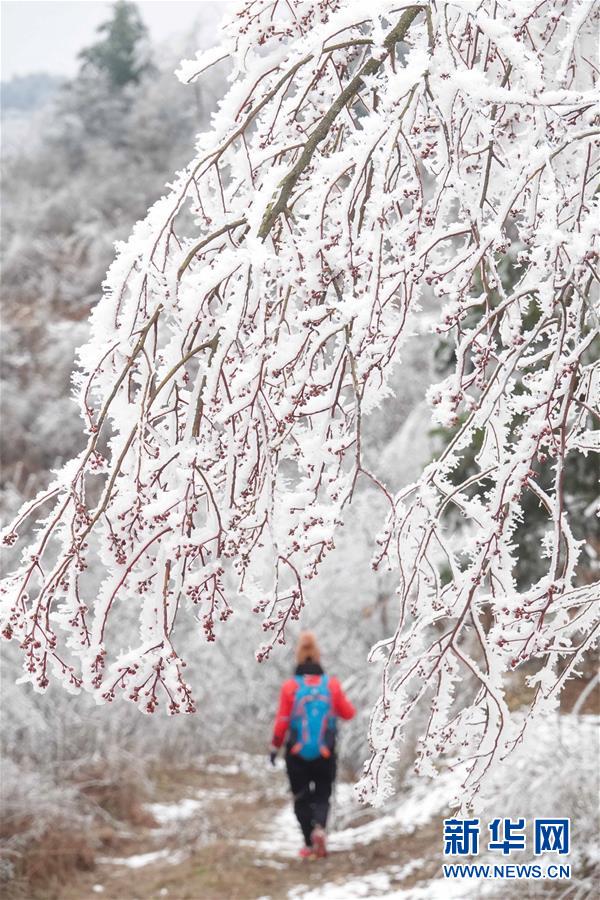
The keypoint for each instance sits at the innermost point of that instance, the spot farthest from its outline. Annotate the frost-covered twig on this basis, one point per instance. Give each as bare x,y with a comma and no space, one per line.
369,170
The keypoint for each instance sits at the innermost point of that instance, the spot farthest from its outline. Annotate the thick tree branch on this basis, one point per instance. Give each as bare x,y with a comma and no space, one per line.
371,67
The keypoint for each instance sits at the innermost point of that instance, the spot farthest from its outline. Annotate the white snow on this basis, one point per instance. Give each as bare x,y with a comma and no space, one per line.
379,885
167,813
217,769
372,885
138,861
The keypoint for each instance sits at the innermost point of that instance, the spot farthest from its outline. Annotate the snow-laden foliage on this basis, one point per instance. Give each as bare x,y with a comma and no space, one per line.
370,173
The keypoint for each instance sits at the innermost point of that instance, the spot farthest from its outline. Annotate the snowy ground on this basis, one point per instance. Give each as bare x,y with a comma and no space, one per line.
227,830
275,848
423,804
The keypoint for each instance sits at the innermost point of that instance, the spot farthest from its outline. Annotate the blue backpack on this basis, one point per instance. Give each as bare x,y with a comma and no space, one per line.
312,723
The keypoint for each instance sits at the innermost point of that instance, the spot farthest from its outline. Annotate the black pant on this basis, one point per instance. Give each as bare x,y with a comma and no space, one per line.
311,782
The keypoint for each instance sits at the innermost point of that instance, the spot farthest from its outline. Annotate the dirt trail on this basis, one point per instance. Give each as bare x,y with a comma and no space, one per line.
227,832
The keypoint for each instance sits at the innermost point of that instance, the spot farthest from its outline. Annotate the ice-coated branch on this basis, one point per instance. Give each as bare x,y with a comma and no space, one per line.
371,172
371,67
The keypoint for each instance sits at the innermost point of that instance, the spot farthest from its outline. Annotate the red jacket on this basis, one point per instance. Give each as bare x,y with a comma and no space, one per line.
341,705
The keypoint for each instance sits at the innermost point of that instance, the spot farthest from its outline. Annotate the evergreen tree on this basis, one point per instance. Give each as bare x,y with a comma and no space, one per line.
121,53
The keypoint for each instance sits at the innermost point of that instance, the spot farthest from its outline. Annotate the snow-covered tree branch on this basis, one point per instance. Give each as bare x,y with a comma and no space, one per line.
372,172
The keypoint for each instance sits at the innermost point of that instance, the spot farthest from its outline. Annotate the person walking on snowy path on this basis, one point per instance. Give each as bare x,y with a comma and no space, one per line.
309,706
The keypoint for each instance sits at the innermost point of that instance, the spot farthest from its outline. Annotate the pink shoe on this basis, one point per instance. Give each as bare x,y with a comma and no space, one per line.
318,839
306,853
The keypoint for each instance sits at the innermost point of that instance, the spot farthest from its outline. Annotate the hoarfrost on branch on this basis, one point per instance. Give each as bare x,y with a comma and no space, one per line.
369,173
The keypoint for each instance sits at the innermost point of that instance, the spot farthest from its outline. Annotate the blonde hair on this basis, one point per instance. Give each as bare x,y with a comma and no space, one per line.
307,648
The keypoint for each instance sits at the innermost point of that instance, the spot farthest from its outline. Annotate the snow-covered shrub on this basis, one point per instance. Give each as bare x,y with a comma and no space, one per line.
44,834
554,772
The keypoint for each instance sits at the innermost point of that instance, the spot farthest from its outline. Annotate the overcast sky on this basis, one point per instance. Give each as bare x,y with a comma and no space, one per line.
46,35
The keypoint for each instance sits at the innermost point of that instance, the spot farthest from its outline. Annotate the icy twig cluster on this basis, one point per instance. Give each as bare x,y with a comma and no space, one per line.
370,172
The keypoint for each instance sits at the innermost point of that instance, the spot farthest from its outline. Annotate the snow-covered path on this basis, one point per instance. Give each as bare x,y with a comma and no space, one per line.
227,830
